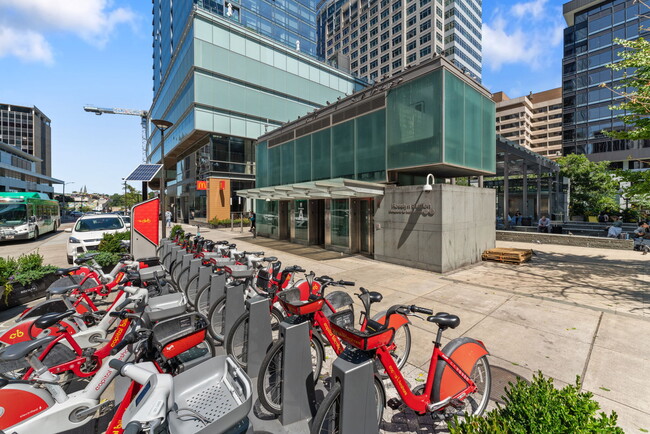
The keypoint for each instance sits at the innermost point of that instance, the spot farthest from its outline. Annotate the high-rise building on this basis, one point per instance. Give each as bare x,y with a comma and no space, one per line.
376,38
533,121
290,22
28,129
223,85
588,47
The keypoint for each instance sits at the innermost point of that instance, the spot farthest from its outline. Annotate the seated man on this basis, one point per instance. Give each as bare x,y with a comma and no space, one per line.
615,230
544,224
641,236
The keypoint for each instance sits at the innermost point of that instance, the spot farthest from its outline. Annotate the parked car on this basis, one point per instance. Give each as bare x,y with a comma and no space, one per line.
76,214
127,221
89,230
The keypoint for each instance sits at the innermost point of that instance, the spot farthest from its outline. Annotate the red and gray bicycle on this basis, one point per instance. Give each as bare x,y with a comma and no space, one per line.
458,380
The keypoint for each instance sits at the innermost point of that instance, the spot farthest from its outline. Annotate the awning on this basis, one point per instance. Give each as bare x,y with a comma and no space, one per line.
338,188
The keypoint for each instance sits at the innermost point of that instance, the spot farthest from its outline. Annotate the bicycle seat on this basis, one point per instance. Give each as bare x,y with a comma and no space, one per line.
85,258
49,319
64,271
21,349
58,290
444,320
375,297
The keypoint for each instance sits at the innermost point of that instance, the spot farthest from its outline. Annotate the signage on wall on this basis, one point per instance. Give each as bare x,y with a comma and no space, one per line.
222,185
201,185
426,209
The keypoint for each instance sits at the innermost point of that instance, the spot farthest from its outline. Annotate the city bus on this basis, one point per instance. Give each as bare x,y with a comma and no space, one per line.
26,215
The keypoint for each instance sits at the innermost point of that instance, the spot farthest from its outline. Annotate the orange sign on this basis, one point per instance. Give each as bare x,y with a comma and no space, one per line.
201,185
145,220
222,185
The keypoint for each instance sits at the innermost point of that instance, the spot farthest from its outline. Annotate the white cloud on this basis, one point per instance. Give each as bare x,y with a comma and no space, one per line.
527,33
26,45
29,21
533,9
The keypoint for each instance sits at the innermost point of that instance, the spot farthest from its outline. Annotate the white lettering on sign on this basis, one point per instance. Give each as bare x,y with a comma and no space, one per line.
425,209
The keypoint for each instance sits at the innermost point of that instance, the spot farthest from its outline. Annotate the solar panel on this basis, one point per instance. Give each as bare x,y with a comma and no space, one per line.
144,172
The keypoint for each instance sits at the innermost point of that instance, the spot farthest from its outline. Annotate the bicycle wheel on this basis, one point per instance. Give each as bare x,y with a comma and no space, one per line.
269,380
400,353
202,301
176,269
237,339
481,376
179,280
191,290
217,317
328,416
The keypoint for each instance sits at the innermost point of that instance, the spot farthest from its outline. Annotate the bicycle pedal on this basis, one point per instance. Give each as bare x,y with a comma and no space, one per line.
394,403
456,403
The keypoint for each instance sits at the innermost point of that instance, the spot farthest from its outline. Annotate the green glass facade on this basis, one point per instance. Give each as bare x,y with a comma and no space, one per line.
437,119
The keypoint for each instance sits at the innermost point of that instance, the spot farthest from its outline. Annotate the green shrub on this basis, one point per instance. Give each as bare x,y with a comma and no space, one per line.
227,222
24,270
175,229
538,407
111,242
104,259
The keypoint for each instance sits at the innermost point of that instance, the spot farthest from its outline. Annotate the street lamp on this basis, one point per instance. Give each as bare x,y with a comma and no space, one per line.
65,203
125,208
162,125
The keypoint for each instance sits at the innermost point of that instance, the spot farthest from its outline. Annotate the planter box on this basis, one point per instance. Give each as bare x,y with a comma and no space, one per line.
24,294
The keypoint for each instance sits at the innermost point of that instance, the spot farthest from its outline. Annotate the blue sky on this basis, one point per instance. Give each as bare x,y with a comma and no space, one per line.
62,55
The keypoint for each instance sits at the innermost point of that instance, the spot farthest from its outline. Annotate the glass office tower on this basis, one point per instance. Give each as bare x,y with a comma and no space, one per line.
290,22
223,85
588,48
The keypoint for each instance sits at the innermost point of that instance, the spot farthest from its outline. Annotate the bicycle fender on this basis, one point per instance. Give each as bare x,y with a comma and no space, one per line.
465,352
19,402
396,321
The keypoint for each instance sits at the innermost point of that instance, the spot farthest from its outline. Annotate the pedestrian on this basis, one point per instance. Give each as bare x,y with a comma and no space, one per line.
544,224
168,218
615,230
517,218
252,218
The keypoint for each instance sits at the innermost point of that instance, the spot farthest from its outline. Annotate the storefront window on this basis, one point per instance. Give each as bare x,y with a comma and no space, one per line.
301,218
340,225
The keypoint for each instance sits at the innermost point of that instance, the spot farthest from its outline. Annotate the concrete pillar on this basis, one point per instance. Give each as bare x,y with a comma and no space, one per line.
506,174
480,181
538,205
524,191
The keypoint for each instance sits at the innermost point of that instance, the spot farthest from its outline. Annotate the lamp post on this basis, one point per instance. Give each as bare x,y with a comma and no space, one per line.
65,203
162,125
125,207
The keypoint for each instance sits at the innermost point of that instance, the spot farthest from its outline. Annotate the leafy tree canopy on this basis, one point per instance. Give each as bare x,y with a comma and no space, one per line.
593,186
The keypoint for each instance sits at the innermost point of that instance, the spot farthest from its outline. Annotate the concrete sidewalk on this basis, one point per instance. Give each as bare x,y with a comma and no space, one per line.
570,311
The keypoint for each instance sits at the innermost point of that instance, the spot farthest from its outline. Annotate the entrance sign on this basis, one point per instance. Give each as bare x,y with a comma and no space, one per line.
145,228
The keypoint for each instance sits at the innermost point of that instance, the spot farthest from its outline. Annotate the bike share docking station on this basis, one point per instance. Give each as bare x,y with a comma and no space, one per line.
259,333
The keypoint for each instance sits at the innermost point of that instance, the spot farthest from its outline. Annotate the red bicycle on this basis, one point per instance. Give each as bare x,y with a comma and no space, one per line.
458,380
318,309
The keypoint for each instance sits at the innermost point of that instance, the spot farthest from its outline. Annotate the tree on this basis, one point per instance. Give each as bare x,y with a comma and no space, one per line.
133,196
593,185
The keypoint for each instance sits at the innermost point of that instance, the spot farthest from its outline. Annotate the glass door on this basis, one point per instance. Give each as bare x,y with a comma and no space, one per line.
366,233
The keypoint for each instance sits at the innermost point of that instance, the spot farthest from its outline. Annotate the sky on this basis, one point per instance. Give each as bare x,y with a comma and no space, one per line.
64,54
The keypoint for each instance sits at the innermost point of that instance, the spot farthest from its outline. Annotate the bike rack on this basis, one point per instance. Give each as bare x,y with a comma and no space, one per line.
174,249
217,287
234,305
298,382
178,255
259,333
195,265
355,371
204,276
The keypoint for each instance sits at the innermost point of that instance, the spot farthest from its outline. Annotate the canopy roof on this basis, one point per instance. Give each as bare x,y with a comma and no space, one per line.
338,188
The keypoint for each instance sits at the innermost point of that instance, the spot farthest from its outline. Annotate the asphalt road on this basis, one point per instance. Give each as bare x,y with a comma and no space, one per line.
50,245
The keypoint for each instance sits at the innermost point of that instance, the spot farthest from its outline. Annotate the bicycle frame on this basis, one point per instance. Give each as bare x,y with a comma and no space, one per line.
423,403
75,364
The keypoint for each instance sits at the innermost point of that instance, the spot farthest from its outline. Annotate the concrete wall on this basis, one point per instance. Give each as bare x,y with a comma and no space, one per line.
565,240
441,230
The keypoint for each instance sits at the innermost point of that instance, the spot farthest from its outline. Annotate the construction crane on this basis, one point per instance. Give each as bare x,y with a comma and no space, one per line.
144,118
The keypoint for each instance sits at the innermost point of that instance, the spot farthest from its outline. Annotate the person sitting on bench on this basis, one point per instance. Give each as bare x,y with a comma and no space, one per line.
544,224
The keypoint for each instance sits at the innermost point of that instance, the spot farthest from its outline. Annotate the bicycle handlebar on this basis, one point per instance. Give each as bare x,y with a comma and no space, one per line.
269,259
423,310
130,338
345,283
124,304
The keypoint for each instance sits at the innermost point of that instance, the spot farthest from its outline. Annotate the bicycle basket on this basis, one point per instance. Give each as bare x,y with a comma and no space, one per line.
177,335
343,326
295,304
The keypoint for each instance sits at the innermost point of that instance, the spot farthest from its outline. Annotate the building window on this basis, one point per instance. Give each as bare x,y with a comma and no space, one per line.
425,25
384,70
397,63
425,51
425,38
411,9
425,13
411,46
